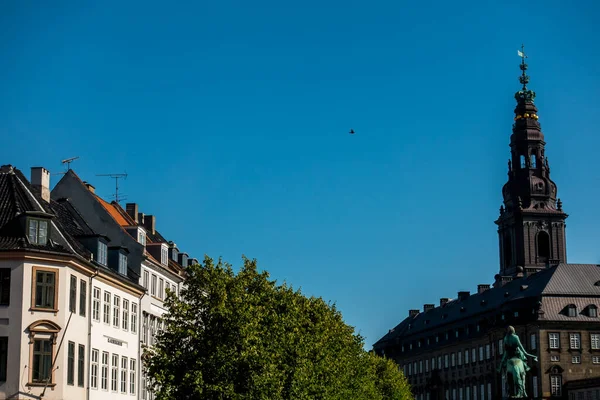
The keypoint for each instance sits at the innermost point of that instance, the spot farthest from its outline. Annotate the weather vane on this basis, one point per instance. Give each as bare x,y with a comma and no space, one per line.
524,79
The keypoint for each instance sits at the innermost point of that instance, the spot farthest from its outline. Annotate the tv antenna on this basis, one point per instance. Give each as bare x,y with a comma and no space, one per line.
116,177
68,161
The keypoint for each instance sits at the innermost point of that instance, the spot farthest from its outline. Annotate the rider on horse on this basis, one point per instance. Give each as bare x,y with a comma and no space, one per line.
513,348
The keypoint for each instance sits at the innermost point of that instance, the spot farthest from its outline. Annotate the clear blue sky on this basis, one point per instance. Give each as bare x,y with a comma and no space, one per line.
232,117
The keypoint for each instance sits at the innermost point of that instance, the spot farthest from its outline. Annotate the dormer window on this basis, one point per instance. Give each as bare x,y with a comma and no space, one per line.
122,264
141,236
593,311
572,310
164,255
37,231
102,256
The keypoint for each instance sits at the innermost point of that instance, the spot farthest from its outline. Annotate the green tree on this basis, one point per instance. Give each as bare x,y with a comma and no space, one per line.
241,336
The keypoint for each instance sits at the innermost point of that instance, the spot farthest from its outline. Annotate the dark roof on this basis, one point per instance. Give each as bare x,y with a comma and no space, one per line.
155,237
563,279
576,279
17,199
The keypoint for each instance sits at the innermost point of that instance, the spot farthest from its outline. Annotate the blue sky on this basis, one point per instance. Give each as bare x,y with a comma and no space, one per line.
232,117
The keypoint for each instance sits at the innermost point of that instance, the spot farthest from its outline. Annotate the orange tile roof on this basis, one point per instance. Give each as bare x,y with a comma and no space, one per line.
113,212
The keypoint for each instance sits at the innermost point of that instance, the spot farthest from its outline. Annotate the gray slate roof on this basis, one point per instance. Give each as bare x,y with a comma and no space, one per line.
563,279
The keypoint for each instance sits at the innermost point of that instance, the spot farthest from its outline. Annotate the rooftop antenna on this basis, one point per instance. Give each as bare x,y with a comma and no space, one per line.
68,161
116,177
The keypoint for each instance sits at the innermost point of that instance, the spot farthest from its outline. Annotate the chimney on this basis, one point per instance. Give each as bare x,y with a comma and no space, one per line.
150,223
482,288
132,210
90,187
413,313
40,179
443,301
463,295
428,307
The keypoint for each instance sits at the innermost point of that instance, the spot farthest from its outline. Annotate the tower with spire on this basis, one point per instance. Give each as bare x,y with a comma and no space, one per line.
531,225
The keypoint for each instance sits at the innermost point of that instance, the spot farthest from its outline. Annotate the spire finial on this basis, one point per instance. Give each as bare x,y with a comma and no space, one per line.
524,94
524,79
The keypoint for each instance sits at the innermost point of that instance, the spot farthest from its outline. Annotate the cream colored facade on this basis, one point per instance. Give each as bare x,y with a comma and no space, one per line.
49,326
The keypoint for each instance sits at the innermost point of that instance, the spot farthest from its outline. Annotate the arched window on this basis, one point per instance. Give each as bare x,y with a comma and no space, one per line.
543,247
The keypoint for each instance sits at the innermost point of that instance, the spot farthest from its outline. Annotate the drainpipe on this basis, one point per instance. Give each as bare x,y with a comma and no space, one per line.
139,329
91,291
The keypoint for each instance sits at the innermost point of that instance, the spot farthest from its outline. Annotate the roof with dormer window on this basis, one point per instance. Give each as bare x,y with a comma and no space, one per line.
551,286
18,200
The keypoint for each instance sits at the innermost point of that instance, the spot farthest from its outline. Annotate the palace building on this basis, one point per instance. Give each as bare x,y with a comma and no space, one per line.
451,350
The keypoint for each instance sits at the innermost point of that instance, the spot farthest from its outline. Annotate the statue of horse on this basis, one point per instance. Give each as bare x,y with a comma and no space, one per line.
515,378
514,365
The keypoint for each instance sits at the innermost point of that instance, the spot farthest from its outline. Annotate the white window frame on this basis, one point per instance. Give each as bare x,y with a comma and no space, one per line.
132,374
146,279
595,359
595,341
134,317
123,264
575,341
576,359
94,369
124,373
96,293
125,315
164,255
116,311
556,385
161,289
104,374
153,283
554,340
107,307
102,253
114,373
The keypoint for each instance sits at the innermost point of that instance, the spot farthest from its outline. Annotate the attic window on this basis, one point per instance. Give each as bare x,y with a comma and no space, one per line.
571,310
123,264
597,283
101,257
37,231
141,236
592,311
164,255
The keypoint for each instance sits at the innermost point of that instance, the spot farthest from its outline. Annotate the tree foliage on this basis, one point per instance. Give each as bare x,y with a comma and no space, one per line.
241,336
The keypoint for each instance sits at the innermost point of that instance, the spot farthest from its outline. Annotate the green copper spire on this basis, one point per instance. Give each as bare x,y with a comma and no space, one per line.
524,95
